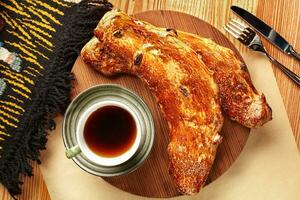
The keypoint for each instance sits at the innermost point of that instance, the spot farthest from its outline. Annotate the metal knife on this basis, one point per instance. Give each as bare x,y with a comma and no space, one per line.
270,34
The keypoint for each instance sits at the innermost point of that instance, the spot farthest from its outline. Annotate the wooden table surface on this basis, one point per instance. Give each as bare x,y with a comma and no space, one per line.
283,15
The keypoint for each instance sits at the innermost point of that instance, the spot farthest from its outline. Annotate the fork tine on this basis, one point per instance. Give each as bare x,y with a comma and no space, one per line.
240,26
235,30
239,23
231,32
241,32
236,26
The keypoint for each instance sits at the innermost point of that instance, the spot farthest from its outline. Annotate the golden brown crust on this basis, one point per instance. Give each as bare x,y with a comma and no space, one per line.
239,98
180,81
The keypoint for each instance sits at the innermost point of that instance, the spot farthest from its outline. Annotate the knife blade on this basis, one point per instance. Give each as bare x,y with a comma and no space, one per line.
265,30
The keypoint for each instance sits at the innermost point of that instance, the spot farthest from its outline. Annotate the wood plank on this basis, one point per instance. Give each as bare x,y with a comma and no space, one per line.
284,17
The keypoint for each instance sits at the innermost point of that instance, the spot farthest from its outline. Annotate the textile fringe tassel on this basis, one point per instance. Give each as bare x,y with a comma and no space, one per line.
51,96
79,29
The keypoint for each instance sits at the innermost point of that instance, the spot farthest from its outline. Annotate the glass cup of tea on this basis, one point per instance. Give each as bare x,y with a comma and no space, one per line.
108,133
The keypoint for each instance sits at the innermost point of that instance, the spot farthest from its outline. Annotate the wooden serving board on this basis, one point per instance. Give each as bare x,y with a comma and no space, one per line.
152,178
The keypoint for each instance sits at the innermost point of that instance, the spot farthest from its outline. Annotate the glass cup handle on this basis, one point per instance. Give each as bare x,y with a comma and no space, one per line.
73,151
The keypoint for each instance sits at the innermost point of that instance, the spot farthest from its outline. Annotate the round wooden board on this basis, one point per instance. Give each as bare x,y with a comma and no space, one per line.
152,178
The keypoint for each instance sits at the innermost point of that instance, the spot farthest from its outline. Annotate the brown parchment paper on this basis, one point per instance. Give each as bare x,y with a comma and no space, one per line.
267,168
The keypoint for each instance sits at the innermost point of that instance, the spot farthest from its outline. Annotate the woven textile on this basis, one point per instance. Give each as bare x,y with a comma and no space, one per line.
39,42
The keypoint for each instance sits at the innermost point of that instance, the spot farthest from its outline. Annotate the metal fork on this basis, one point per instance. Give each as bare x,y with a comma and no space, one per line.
249,38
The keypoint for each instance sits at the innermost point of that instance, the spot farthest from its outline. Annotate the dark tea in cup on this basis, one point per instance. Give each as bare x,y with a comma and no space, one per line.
110,131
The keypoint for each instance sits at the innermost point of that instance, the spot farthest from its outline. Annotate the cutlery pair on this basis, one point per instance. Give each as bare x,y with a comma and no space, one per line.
249,38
